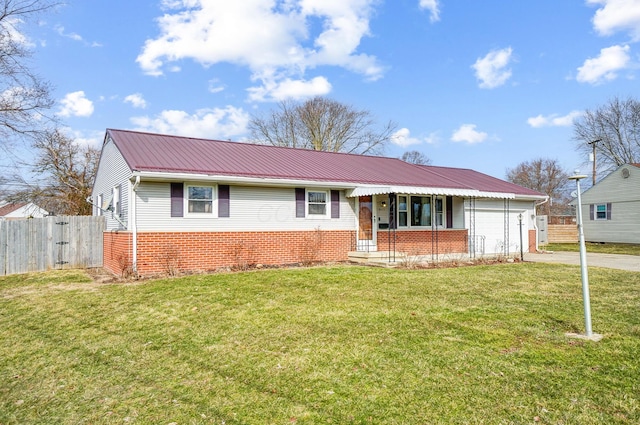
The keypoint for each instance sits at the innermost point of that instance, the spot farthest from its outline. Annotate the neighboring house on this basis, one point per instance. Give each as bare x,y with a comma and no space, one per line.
611,208
177,203
14,211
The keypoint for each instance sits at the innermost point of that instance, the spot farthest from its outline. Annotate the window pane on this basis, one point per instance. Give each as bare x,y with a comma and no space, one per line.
200,199
439,212
320,209
196,192
317,203
402,203
316,197
402,219
200,206
601,212
420,211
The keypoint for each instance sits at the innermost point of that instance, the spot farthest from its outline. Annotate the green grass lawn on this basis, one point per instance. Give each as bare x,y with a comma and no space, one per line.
605,248
338,345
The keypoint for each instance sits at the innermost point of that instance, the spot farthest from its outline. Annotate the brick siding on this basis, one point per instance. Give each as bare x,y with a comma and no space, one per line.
117,251
423,242
165,252
532,240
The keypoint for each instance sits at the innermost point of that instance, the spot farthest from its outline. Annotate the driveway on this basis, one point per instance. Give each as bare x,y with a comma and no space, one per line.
611,261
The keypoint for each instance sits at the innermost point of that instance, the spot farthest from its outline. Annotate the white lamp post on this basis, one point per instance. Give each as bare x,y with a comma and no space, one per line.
583,265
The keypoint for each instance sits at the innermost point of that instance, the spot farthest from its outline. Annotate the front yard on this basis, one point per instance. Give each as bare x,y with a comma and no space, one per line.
341,345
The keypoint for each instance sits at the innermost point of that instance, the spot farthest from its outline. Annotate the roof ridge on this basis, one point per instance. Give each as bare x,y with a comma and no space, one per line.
246,143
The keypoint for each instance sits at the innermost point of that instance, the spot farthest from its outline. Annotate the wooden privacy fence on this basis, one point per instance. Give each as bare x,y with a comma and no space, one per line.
40,244
563,233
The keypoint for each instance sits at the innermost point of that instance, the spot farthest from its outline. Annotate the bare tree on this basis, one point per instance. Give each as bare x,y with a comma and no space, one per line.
63,175
321,124
22,93
415,157
546,176
613,129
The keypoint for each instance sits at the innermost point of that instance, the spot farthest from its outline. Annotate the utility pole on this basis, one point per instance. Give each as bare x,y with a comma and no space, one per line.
594,143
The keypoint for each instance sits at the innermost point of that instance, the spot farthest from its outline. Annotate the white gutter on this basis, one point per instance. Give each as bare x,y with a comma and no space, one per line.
250,181
134,224
356,189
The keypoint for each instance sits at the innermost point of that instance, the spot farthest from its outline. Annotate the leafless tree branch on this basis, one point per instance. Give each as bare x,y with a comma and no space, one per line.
321,124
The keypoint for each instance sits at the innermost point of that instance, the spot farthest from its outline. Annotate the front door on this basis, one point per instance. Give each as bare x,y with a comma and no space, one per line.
366,230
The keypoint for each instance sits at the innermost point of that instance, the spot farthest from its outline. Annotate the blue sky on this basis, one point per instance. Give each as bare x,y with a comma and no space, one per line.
474,84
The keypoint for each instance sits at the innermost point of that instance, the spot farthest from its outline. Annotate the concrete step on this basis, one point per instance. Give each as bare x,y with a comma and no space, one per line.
376,257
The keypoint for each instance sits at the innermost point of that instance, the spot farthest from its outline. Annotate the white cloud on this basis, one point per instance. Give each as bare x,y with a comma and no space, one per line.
273,38
216,123
433,7
92,139
604,67
76,105
215,86
468,133
72,35
273,90
10,25
403,138
492,69
136,100
617,15
554,120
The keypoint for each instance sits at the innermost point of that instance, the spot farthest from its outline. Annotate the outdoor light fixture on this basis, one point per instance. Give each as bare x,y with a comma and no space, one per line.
521,249
583,265
384,204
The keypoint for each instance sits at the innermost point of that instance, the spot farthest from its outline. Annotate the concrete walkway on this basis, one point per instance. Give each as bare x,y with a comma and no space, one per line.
611,261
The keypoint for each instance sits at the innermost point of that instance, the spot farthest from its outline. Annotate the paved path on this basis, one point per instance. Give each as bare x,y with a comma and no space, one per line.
611,261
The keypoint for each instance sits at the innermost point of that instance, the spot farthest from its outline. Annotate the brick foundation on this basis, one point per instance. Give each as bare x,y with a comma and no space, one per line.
423,242
165,252
117,251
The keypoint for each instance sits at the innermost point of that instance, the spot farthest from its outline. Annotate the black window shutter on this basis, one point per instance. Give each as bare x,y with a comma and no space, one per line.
223,200
335,204
300,201
608,210
591,212
177,205
449,207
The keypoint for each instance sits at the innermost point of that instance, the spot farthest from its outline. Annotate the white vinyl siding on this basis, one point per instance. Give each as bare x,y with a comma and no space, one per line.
113,171
251,209
490,224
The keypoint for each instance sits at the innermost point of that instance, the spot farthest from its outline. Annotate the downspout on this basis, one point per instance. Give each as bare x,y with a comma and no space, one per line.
535,224
134,224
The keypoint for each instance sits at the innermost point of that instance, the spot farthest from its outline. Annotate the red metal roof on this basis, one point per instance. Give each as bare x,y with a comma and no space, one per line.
9,208
176,154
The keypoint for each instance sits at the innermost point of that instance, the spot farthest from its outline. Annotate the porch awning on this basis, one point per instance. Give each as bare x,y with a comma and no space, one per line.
419,190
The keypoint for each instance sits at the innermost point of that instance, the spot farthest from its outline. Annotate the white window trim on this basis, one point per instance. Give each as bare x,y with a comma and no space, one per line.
327,210
595,212
410,213
433,213
214,201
